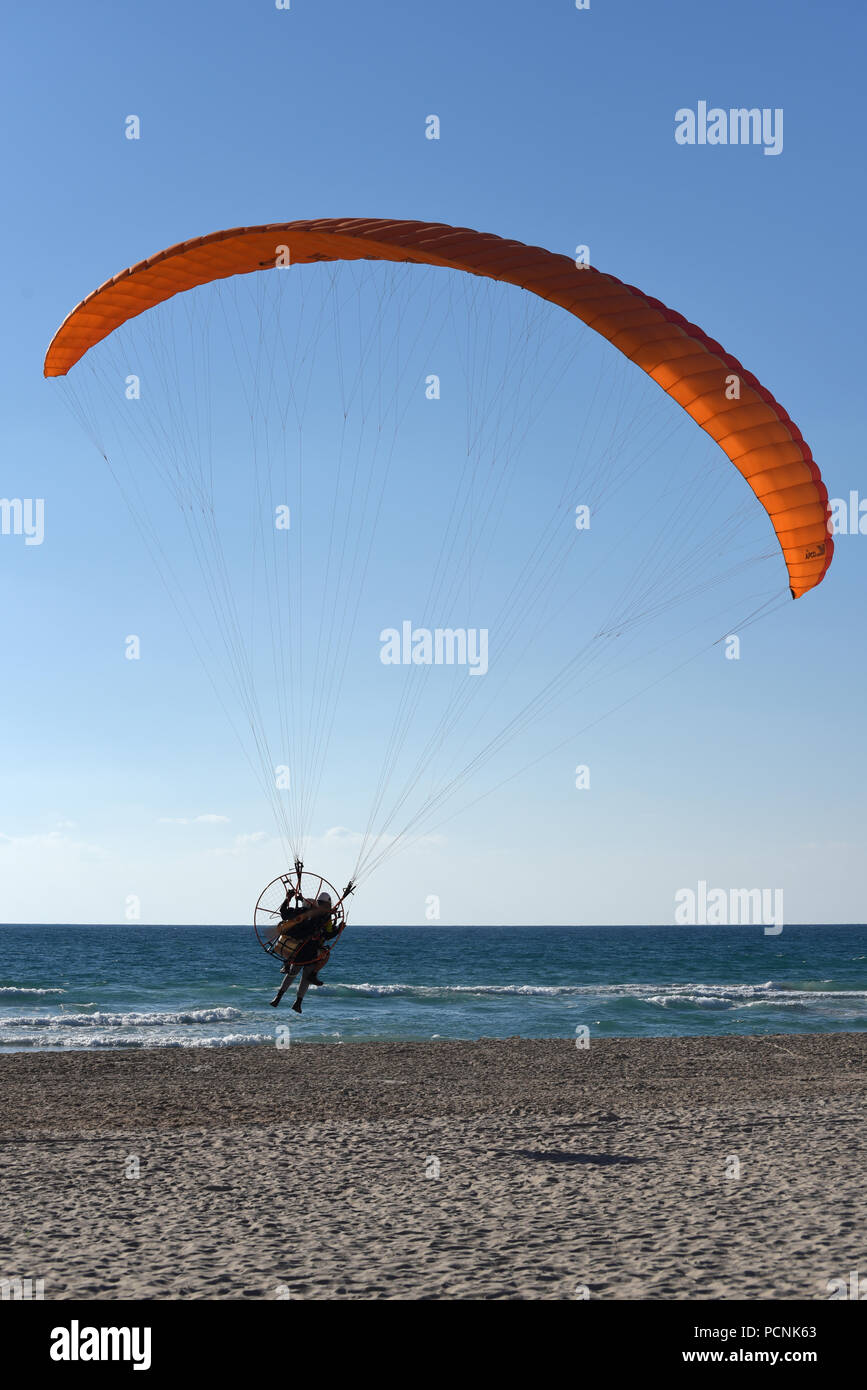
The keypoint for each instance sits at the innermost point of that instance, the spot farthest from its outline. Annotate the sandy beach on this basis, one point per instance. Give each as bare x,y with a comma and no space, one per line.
686,1168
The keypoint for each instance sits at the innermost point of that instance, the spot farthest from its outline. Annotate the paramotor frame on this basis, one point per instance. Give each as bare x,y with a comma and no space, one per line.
300,885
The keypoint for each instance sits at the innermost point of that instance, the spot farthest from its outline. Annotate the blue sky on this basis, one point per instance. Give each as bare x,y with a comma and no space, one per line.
557,129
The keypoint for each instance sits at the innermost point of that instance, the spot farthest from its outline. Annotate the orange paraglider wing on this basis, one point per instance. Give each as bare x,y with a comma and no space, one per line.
722,397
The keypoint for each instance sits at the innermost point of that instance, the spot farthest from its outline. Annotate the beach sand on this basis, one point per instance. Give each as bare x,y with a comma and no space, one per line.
301,1172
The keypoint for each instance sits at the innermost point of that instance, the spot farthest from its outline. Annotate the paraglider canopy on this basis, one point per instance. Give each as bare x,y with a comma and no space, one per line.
340,553
727,401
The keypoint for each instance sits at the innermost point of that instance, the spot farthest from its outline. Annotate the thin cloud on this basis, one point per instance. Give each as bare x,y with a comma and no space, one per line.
50,844
342,832
242,843
209,818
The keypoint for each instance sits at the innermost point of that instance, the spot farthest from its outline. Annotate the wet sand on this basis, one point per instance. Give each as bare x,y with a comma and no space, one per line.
680,1168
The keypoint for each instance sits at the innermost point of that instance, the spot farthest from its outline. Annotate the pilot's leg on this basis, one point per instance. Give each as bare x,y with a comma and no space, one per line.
290,973
303,985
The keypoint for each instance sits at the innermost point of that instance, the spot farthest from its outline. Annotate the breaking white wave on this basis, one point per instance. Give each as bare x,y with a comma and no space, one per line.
127,1020
112,1041
663,995
24,990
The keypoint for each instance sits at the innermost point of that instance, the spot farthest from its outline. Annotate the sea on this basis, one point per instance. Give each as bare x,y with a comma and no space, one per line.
102,987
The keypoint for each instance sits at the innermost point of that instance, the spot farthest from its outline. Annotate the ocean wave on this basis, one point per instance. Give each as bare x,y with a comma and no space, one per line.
664,994
129,1020
112,1042
748,996
421,991
17,991
372,991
